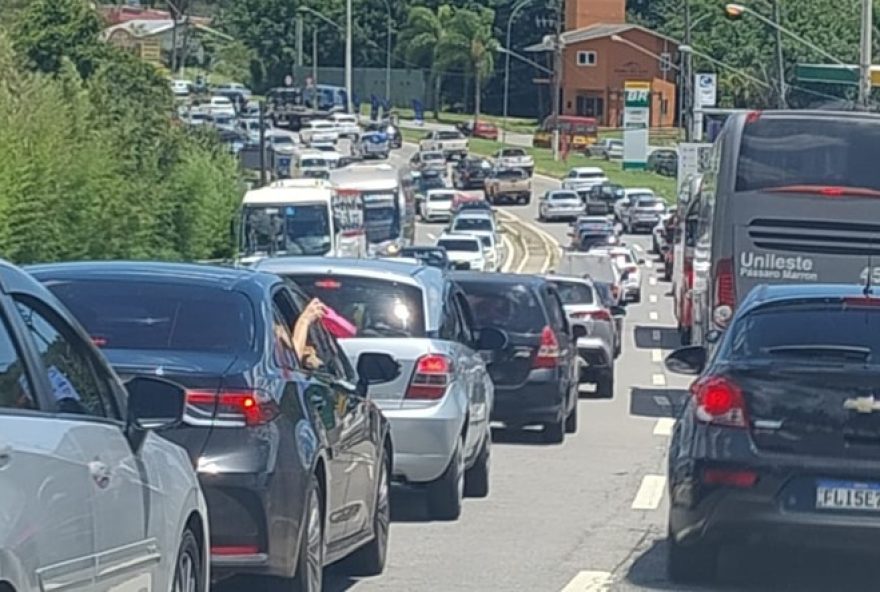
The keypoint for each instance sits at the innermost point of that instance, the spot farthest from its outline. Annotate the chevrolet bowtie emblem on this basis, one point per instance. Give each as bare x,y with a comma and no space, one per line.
862,404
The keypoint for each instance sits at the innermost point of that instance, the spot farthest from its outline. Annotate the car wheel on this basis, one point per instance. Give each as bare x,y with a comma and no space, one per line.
605,384
188,576
445,494
369,560
571,422
554,433
692,564
476,479
310,565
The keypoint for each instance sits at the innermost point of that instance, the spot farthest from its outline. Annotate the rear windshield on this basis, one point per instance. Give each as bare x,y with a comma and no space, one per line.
486,240
562,196
440,197
451,244
432,156
512,307
815,332
479,224
574,292
583,175
378,308
510,174
160,316
513,152
599,268
816,151
644,200
448,135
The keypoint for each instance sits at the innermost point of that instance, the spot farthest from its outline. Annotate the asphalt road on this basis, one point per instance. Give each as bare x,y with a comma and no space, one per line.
590,514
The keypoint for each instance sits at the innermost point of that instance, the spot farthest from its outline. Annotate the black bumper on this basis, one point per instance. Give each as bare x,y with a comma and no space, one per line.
541,399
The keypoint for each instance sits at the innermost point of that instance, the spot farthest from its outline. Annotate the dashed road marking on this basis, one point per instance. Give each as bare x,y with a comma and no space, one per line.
639,248
658,379
652,280
508,253
653,315
661,401
655,335
589,581
432,236
664,426
656,355
652,298
650,493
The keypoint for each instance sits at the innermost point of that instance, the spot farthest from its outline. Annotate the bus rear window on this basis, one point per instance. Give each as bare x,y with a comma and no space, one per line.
782,152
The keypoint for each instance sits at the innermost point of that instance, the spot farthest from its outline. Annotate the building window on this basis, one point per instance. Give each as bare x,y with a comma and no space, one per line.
586,58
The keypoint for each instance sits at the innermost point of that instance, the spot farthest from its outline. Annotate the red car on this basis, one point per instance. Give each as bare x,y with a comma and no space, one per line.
482,129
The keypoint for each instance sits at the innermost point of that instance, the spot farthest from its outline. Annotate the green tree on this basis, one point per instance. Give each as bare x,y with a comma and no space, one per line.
420,42
469,42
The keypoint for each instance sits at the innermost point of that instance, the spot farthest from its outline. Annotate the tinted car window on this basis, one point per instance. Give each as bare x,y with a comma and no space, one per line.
809,330
472,224
448,135
471,246
574,292
599,268
160,316
440,197
513,307
15,389
816,151
378,308
559,195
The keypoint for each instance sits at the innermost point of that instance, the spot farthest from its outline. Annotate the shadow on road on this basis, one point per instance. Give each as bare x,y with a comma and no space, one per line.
528,436
656,402
408,504
764,568
656,337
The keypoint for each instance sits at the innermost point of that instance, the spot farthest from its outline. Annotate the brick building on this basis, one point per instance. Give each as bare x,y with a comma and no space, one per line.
599,57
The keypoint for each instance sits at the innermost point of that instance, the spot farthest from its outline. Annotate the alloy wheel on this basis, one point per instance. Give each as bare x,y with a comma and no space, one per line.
315,546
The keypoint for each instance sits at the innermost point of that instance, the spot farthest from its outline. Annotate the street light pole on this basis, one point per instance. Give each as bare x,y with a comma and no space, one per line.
388,52
557,82
348,58
510,19
315,58
865,57
780,59
687,74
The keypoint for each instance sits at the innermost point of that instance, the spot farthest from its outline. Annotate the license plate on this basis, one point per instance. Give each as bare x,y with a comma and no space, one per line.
848,495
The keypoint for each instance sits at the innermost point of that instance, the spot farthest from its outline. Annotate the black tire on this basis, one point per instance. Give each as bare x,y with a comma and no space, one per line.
309,575
571,422
691,564
370,559
189,573
476,479
605,384
685,336
446,493
554,433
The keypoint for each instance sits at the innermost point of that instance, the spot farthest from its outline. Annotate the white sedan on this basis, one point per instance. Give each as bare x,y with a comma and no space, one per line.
628,264
480,223
581,178
465,251
437,205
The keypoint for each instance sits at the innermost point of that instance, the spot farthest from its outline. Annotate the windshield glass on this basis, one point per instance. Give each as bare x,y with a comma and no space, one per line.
281,140
448,135
559,196
378,308
435,156
585,175
478,224
778,152
440,197
647,201
574,292
809,330
303,229
512,307
315,163
426,183
456,244
160,316
513,152
597,267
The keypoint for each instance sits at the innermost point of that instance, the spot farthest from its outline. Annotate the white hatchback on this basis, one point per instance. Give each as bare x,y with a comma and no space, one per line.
465,251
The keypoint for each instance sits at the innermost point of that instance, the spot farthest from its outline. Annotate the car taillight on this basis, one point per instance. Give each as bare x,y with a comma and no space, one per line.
615,291
725,292
719,402
632,268
548,351
229,407
597,315
689,274
730,477
432,374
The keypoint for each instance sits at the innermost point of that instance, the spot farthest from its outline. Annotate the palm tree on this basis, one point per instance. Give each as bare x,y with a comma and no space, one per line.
421,38
470,42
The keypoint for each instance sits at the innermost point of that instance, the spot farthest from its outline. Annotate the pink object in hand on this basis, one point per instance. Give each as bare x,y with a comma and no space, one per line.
337,325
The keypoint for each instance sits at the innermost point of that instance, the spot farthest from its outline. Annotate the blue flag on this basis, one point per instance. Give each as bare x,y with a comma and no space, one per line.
418,111
374,107
356,102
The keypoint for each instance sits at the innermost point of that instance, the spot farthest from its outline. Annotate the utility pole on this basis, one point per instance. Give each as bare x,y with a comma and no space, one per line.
865,54
348,64
687,75
299,40
557,78
780,61
315,62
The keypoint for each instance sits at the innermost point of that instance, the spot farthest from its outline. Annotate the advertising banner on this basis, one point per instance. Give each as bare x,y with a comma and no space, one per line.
636,120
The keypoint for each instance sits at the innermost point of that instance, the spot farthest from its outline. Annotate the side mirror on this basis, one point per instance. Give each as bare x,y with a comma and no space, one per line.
713,336
578,331
687,360
491,339
618,311
376,368
153,404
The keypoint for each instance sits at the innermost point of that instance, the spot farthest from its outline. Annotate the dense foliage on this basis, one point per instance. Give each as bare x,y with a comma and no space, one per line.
91,164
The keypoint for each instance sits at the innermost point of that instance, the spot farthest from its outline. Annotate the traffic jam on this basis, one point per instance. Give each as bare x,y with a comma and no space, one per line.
388,330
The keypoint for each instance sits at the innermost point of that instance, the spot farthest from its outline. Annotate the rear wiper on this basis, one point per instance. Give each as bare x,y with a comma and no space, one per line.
826,190
850,352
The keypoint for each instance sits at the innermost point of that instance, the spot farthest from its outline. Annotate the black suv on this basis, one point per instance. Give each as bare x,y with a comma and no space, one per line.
469,173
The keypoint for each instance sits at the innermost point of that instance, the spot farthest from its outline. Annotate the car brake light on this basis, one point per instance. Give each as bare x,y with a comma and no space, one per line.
689,274
433,373
753,116
548,351
227,550
598,315
725,293
719,402
730,477
229,407
328,284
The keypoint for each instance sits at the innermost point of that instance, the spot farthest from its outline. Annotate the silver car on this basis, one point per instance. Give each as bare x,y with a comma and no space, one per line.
583,305
440,404
560,204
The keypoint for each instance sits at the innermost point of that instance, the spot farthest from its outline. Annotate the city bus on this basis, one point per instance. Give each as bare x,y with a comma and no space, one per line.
389,204
305,217
581,132
789,197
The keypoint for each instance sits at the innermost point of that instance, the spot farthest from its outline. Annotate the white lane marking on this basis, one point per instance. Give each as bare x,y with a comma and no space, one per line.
650,493
508,253
432,236
655,335
639,248
653,315
589,581
658,380
656,355
664,426
652,280
661,401
652,298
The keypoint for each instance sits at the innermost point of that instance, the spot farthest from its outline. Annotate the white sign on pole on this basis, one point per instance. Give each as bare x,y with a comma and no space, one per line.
706,90
693,158
636,121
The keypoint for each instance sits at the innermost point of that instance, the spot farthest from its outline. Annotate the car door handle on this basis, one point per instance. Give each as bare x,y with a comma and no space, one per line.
5,455
100,473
